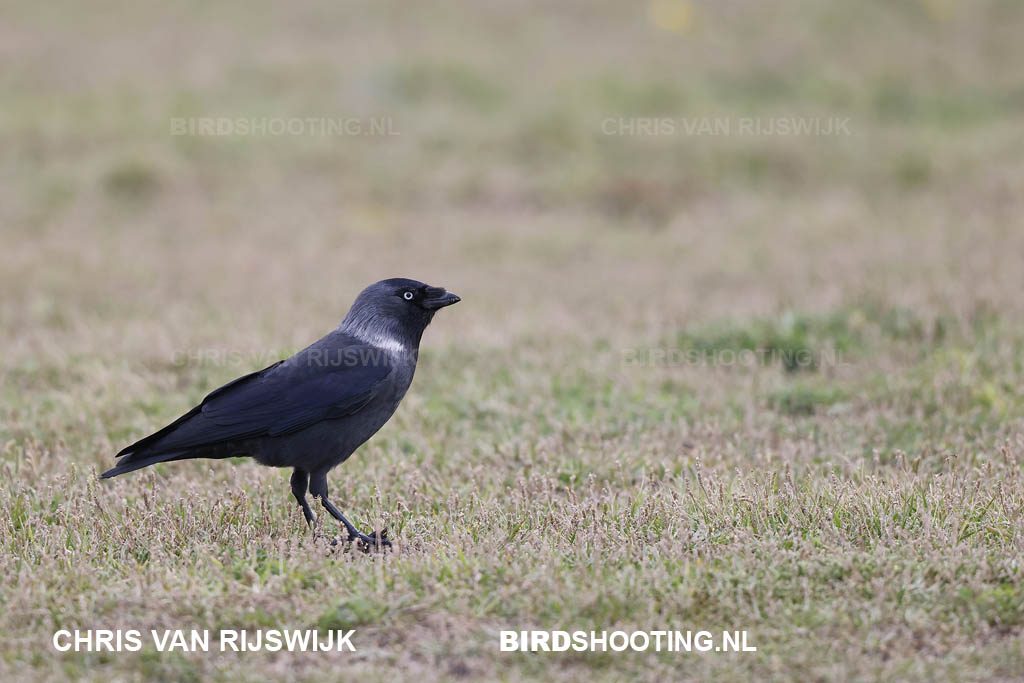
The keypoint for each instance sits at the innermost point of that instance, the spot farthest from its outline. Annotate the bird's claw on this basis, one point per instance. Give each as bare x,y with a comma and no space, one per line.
371,540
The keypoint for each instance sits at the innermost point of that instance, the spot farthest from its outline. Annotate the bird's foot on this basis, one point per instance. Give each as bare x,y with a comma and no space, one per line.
374,539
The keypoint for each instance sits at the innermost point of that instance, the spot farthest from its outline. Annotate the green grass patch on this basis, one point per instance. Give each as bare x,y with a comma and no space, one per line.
803,398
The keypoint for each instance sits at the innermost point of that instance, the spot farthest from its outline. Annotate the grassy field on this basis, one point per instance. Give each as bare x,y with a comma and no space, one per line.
700,379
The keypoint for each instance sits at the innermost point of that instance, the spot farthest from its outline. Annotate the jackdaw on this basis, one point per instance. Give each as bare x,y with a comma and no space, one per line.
310,411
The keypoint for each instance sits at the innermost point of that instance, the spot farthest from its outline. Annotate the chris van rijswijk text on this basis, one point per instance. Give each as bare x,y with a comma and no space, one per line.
228,640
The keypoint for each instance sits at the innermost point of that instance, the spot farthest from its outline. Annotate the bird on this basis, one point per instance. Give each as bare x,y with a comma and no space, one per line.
313,410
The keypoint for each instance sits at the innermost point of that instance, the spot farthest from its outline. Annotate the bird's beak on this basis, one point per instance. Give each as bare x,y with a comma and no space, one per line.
440,300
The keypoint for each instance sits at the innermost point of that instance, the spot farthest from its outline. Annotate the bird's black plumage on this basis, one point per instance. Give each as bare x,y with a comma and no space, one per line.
310,411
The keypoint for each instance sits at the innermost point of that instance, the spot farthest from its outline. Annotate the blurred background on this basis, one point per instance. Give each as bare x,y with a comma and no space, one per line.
513,173
189,191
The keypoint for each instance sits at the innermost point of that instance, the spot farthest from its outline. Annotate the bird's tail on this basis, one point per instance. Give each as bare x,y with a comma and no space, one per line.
136,461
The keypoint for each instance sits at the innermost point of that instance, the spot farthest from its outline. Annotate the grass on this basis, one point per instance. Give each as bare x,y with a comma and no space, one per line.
726,382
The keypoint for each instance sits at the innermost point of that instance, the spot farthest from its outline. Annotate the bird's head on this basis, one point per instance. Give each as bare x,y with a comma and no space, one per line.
398,309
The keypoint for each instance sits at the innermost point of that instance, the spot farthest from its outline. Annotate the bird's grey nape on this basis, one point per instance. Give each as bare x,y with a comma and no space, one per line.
381,340
365,322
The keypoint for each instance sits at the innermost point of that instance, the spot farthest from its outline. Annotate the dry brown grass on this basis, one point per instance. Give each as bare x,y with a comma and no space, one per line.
862,519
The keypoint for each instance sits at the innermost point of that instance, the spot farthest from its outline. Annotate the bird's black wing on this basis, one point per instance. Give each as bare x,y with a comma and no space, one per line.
283,398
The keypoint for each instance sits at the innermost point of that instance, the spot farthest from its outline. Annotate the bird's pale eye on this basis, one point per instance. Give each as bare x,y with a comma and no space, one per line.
407,296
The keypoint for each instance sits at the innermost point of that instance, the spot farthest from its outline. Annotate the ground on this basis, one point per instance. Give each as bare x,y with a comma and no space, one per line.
703,375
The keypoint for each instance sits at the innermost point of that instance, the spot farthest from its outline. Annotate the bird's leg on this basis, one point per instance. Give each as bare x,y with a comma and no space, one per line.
300,480
318,487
